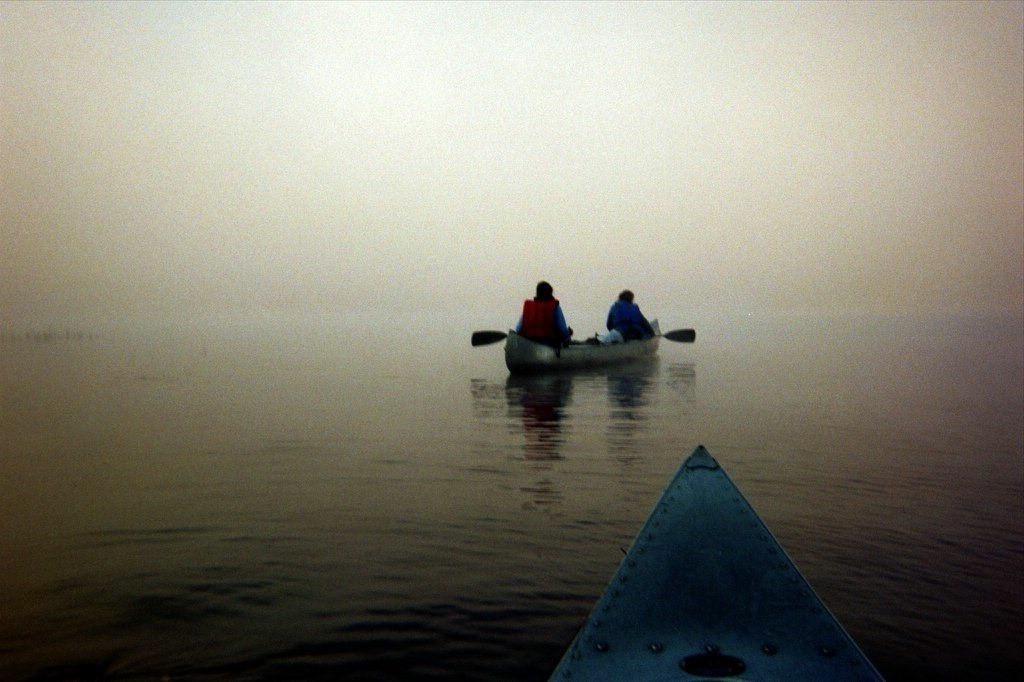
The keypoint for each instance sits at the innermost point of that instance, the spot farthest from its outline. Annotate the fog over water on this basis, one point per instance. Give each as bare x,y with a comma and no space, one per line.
243,247
168,160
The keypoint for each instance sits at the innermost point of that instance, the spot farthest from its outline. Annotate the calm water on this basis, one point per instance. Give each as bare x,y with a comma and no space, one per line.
315,501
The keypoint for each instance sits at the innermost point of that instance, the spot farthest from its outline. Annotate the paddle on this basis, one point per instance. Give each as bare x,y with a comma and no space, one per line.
681,335
487,337
484,338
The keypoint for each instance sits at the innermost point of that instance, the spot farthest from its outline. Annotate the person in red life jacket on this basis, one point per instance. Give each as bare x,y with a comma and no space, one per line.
542,319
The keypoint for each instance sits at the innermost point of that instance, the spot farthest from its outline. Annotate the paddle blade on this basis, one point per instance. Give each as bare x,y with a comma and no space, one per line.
486,337
681,335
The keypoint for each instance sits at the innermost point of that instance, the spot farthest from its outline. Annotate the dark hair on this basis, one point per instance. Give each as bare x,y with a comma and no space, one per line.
544,290
626,295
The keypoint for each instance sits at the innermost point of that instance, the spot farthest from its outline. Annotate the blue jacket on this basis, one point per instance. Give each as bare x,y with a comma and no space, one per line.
627,318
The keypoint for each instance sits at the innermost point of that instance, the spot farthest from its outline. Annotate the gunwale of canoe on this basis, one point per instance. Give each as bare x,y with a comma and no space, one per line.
523,355
706,591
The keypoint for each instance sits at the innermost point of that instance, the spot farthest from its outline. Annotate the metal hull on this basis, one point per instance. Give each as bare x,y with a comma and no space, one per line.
523,355
707,592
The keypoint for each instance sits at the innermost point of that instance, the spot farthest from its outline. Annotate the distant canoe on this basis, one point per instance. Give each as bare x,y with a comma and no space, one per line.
707,592
523,355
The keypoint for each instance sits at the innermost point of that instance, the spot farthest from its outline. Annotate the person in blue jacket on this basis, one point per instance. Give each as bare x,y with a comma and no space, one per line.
626,318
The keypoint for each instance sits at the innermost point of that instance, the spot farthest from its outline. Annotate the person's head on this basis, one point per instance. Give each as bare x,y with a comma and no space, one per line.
544,291
626,296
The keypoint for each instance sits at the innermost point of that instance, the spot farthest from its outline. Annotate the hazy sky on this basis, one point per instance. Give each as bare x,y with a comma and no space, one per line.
175,159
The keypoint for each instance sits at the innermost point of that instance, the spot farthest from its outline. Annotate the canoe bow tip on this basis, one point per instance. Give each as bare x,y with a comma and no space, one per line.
701,459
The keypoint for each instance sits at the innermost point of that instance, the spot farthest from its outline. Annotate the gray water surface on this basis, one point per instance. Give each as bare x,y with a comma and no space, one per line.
311,500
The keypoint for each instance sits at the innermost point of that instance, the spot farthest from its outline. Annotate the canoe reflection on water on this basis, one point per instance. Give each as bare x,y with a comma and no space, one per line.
540,404
629,396
545,408
600,414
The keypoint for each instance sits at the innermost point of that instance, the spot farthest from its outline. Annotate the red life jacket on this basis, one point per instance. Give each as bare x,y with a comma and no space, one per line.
539,321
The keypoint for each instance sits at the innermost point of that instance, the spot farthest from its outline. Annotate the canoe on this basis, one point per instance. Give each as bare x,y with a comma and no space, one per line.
523,355
707,592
